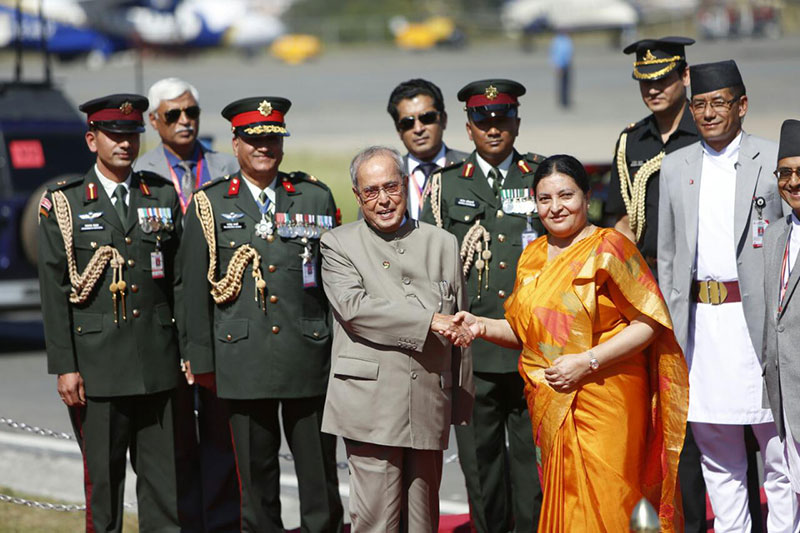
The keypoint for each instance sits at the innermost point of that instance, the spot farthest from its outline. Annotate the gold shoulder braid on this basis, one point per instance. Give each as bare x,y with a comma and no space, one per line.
476,241
633,191
227,289
436,198
84,283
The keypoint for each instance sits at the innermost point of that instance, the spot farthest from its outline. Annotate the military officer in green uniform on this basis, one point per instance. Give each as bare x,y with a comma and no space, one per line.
257,319
107,247
487,202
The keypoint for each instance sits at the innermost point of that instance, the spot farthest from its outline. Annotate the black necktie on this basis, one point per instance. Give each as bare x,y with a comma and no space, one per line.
427,169
122,209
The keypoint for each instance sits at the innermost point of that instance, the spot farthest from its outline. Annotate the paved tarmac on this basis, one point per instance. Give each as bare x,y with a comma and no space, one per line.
339,106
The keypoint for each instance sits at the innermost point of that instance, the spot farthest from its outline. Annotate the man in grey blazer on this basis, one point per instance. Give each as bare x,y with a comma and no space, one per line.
208,488
396,383
782,317
417,109
180,157
717,197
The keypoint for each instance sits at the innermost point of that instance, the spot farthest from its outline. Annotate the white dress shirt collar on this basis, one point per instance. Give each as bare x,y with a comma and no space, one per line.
413,162
502,167
255,191
110,185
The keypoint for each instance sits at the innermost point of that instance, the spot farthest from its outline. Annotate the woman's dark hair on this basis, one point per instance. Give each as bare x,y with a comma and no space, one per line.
563,164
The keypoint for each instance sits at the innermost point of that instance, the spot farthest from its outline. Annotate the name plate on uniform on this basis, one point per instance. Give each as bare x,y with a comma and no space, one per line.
466,202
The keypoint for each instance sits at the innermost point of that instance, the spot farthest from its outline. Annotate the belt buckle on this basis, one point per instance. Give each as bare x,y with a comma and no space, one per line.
713,292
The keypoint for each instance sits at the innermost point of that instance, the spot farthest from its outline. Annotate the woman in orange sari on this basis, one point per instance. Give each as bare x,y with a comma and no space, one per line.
605,381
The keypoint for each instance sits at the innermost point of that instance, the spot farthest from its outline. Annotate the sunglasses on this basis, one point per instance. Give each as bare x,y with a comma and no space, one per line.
479,114
192,112
427,118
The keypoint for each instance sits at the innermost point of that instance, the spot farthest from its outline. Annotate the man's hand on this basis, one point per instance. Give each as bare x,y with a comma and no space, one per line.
476,326
186,368
70,388
454,331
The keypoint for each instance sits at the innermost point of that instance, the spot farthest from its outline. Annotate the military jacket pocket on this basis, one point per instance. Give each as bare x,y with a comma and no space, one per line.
350,367
445,297
87,243
163,315
87,323
230,331
464,214
315,328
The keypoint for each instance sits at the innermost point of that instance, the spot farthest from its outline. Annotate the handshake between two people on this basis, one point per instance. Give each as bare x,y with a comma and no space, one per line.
460,329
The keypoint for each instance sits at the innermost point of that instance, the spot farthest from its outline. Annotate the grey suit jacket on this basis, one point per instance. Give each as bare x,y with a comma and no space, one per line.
219,164
393,382
781,360
679,184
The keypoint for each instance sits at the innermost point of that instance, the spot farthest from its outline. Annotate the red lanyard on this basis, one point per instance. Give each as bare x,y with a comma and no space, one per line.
784,273
177,183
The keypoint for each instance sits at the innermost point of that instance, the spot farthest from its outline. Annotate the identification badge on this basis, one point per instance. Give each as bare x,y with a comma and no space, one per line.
309,274
528,236
157,264
466,202
758,232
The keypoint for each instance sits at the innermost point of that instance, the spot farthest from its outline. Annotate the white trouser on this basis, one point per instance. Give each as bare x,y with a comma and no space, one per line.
724,463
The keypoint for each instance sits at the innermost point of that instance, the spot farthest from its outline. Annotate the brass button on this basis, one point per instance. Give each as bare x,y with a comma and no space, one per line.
500,213
501,237
273,299
136,313
93,244
232,243
134,287
413,375
131,262
304,240
316,334
128,240
272,268
401,251
173,320
229,337
466,218
276,329
501,293
270,238
79,329
503,265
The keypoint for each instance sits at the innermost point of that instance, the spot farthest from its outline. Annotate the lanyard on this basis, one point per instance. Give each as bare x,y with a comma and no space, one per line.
417,189
177,182
785,272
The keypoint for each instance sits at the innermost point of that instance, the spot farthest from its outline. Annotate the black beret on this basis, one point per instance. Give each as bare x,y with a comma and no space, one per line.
789,145
656,58
709,77
116,113
258,116
491,92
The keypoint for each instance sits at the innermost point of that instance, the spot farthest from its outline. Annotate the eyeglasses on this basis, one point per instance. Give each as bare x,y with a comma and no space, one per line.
719,105
192,112
785,173
427,118
479,114
393,188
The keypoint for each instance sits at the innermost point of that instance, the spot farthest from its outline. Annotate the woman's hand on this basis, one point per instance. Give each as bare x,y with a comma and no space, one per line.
474,323
567,371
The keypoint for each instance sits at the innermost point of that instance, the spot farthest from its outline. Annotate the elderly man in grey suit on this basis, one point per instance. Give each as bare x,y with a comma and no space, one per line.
417,109
717,197
208,488
782,316
180,157
396,383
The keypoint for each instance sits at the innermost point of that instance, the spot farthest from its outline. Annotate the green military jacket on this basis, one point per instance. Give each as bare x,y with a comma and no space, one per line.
283,352
138,354
466,197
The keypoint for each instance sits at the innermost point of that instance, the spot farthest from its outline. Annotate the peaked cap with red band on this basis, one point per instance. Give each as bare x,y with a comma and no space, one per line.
258,116
116,113
491,93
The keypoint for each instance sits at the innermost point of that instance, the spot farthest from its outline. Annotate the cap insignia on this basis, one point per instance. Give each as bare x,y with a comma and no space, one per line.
265,108
490,92
126,108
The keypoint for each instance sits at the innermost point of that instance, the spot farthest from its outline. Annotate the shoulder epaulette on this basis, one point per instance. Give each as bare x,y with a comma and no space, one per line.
65,183
633,125
208,184
534,158
299,175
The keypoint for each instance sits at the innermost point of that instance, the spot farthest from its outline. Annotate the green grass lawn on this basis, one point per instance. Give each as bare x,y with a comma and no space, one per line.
334,170
19,518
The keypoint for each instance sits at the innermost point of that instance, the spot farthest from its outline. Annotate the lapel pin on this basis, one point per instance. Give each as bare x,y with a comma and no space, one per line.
386,264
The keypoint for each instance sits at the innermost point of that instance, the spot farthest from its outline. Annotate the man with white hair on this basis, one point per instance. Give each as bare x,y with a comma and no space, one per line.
208,489
175,114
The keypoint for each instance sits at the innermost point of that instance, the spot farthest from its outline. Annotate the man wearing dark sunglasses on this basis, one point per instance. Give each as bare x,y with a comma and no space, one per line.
207,475
487,202
175,115
417,109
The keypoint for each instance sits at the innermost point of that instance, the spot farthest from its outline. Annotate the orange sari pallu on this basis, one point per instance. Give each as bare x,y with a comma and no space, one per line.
617,437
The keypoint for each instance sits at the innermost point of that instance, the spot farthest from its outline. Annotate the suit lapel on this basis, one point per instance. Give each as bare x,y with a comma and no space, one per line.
478,184
102,203
283,199
244,200
795,272
690,184
747,174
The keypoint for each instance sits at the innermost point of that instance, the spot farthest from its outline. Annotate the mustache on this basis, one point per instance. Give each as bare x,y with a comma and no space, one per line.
188,129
